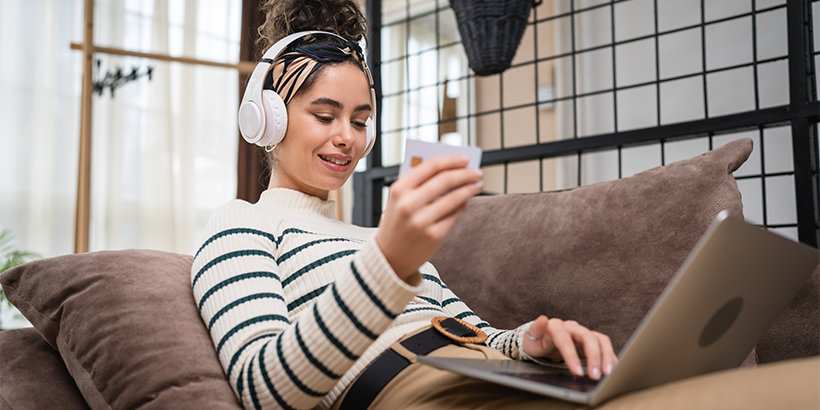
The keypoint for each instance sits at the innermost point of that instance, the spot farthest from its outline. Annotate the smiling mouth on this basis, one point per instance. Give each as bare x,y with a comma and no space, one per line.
333,161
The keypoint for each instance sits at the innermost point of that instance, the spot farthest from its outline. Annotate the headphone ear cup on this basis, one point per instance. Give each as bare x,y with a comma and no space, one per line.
371,137
250,121
276,115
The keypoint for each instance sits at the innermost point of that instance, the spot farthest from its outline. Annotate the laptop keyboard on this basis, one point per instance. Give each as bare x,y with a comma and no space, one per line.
559,379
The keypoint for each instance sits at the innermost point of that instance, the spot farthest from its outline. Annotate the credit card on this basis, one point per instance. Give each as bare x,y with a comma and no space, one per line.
416,152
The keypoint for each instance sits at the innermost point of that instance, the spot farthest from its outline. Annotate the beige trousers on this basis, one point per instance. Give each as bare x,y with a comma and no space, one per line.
783,385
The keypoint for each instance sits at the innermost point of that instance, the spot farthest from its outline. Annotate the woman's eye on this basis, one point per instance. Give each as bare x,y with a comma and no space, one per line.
359,124
324,119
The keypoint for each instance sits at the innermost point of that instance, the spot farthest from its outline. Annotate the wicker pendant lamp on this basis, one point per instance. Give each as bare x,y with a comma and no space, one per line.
491,31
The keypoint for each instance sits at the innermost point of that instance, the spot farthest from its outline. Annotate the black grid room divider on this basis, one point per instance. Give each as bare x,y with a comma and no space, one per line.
631,81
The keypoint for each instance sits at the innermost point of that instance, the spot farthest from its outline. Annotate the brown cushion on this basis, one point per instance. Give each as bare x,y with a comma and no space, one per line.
599,254
33,376
796,333
127,327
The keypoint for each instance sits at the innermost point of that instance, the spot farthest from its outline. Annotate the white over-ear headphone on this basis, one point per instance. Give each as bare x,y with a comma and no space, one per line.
263,117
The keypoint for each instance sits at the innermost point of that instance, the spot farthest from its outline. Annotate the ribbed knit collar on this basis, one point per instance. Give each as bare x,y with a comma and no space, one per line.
288,200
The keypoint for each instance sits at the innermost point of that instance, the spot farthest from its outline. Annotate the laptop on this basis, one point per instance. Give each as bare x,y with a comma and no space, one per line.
730,290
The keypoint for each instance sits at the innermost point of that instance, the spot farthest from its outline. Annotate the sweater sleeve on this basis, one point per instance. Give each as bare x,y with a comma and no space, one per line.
273,361
508,342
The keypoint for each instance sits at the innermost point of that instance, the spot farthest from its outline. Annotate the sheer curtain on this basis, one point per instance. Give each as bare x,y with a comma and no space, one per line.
163,150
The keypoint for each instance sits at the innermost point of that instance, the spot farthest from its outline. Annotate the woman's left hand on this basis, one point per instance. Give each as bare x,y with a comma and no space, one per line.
567,340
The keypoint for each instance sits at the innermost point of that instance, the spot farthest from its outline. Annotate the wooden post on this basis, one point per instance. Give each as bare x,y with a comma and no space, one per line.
84,178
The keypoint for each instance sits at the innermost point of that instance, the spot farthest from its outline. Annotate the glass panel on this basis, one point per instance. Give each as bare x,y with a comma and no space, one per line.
781,205
392,112
448,27
639,159
773,83
423,31
421,6
421,109
637,108
729,43
526,48
459,91
392,148
393,77
777,149
554,37
764,4
599,167
682,100
680,53
582,4
551,8
730,91
421,69
560,173
427,133
519,127
557,123
522,177
718,9
487,93
817,64
674,14
488,131
815,13
595,114
452,63
393,10
394,42
493,179
519,86
634,19
635,62
685,149
593,71
751,194
772,37
561,74
593,28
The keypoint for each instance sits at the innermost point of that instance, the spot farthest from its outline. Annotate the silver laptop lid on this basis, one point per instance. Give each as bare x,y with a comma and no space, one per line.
730,290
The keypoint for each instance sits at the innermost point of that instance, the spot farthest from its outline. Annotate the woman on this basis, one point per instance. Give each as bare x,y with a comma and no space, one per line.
299,304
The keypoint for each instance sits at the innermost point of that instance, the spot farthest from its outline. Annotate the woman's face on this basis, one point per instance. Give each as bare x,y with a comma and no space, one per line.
326,132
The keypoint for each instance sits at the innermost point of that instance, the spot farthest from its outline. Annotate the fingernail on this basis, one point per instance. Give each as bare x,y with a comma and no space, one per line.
579,371
478,172
596,373
479,184
609,368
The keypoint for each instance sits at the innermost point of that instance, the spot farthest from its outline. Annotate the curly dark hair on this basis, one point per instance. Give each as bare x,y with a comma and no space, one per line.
284,17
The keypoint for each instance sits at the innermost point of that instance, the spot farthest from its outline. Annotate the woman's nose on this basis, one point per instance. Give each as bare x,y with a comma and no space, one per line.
345,136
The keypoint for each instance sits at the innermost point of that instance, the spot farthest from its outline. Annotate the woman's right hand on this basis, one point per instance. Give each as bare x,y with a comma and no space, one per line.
422,207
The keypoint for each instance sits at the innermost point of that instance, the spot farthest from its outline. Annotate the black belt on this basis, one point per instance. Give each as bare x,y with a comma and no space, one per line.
365,389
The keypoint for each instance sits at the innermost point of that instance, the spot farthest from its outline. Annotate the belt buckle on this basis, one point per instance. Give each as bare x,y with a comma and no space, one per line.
478,336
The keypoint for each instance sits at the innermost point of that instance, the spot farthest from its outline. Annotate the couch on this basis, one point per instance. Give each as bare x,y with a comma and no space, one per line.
120,329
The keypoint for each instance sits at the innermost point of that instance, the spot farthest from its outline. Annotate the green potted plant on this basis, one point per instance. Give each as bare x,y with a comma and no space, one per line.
9,258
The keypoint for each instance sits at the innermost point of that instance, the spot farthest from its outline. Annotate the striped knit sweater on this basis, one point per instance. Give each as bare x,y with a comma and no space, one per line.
298,303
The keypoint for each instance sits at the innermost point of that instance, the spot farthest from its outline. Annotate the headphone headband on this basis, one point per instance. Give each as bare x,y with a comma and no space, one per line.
262,115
